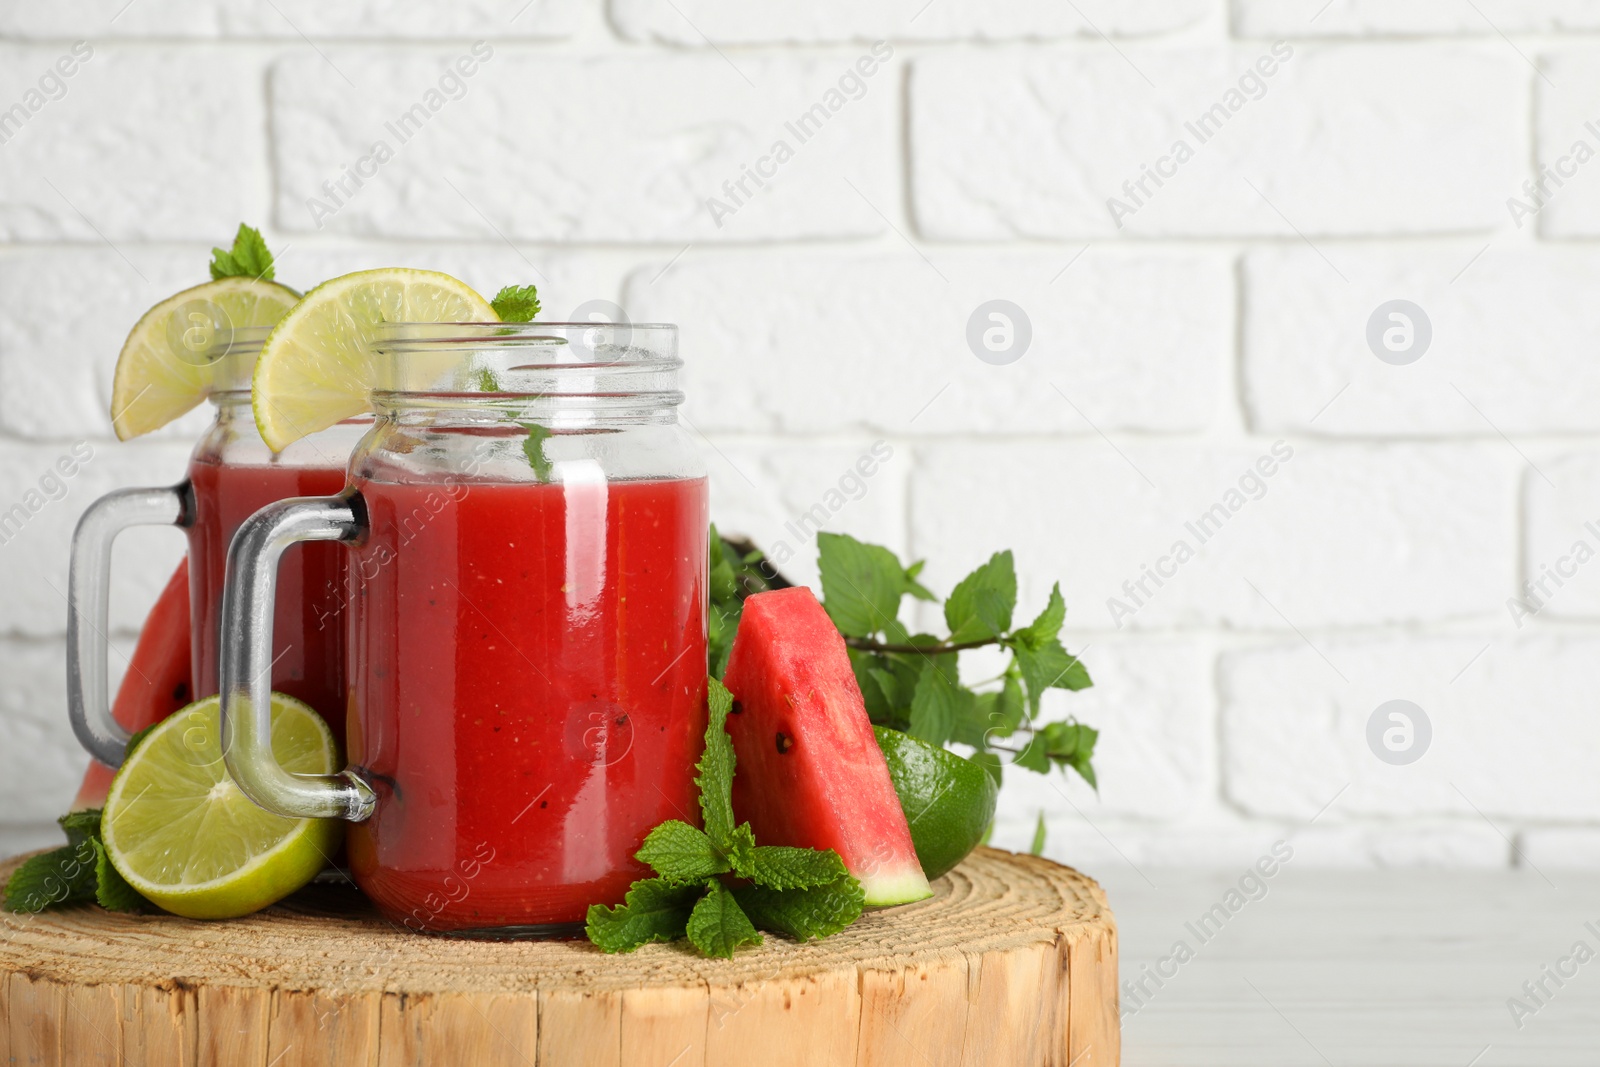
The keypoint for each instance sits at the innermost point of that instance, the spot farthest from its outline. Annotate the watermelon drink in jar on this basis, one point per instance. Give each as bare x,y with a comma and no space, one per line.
526,598
231,474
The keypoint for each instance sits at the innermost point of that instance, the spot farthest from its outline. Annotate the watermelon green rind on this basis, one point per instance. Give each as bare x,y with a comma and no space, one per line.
811,774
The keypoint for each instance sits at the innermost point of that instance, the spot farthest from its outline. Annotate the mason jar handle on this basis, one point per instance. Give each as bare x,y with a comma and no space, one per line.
89,609
245,669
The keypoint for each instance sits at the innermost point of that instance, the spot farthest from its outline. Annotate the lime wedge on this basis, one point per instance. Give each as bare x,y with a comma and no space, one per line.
949,801
184,835
318,366
168,363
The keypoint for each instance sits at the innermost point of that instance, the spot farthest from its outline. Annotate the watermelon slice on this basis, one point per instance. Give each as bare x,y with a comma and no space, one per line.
157,682
811,773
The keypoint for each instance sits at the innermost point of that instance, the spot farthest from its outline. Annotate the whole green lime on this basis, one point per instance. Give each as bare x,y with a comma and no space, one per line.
948,801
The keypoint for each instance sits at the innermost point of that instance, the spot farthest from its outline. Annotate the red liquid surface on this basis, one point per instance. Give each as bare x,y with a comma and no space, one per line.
307,631
528,682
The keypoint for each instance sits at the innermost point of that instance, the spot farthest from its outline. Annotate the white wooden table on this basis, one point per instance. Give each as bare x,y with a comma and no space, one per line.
1392,968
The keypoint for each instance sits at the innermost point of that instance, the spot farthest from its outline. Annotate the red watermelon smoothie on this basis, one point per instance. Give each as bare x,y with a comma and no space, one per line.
308,637
527,692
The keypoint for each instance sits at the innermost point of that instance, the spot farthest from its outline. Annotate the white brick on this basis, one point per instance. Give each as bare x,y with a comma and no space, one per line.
1567,118
780,495
290,19
1366,18
601,149
1560,543
35,548
1561,848
1342,536
1152,703
55,359
810,343
1512,347
1512,730
1358,140
693,22
40,761
156,144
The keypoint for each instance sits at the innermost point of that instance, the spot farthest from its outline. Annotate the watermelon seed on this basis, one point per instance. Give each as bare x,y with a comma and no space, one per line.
785,743
737,709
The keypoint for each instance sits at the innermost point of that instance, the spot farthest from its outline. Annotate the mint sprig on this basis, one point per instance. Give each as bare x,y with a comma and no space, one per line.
79,871
249,257
516,303
801,892
912,681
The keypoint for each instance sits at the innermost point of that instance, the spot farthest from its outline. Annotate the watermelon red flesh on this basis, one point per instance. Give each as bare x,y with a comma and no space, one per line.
810,772
157,682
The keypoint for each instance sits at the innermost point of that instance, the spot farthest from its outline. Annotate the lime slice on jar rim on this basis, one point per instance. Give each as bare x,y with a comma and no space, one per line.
319,364
170,361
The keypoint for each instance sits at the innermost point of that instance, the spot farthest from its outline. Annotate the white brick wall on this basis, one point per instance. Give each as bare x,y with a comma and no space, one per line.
1337,140
1378,153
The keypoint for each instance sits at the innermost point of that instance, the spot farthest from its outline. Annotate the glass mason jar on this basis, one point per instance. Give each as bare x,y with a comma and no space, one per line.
231,475
527,535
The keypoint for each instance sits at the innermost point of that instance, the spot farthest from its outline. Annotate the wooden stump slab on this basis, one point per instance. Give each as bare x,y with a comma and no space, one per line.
1013,961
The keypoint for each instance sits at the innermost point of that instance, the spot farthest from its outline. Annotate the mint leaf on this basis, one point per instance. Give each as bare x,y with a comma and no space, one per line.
109,887
1033,756
1037,847
111,890
1047,624
741,849
722,620
861,584
516,303
914,587
938,702
718,925
486,381
82,825
63,876
533,448
981,604
724,582
803,913
1049,665
1082,765
653,910
1071,744
680,853
136,740
782,867
249,257
716,768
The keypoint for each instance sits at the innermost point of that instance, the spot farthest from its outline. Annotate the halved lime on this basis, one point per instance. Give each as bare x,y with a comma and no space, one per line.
185,836
318,366
949,801
168,363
